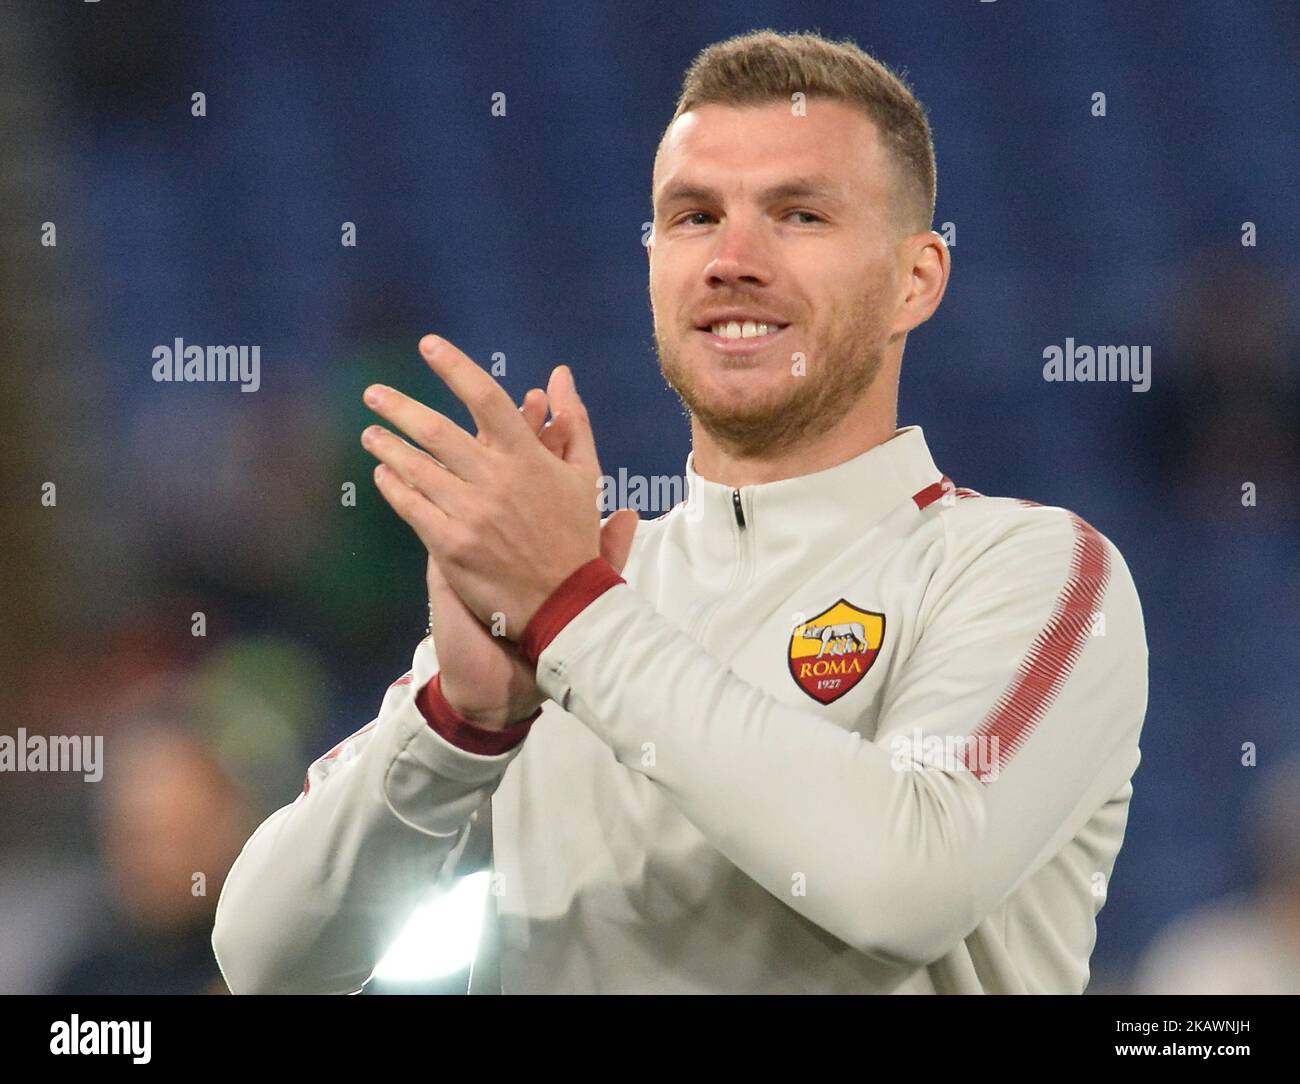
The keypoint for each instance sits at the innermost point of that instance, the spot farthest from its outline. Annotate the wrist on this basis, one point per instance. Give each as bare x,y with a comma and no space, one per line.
492,718
585,584
497,719
487,737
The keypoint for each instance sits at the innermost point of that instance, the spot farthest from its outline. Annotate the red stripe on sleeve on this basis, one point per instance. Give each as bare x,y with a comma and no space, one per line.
1053,654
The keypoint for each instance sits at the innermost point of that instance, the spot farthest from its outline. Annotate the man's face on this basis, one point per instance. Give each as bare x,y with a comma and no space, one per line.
734,231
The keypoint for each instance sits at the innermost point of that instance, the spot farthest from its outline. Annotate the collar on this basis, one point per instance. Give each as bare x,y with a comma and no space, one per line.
856,494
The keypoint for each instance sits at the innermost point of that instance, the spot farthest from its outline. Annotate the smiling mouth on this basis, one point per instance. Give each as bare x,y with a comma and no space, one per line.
743,344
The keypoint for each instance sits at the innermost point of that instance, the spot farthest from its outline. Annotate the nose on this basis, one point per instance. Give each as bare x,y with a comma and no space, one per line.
740,257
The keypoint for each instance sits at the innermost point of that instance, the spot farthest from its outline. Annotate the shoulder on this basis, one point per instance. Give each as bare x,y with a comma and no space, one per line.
1010,546
985,528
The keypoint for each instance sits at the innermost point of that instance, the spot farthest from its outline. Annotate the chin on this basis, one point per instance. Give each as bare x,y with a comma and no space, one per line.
770,377
735,396
738,386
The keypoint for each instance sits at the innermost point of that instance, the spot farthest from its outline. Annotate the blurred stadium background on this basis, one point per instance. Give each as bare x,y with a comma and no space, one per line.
523,234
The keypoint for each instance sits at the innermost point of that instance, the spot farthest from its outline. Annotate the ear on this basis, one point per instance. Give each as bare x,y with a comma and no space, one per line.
926,265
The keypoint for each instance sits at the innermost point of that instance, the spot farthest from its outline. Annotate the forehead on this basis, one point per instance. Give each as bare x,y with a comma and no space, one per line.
745,148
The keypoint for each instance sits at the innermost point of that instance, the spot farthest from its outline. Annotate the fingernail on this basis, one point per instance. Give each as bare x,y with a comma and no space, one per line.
374,396
429,344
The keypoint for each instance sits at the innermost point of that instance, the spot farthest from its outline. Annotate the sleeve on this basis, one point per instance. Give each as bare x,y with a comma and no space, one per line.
325,884
901,845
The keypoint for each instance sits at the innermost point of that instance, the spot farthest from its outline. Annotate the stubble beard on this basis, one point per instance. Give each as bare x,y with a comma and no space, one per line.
840,365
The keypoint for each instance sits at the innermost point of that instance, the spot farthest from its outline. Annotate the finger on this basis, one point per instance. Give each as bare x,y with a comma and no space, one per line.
556,436
616,535
416,469
428,522
563,396
435,433
492,409
534,409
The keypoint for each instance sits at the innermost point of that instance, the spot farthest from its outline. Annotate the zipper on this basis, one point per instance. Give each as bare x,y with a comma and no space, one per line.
739,576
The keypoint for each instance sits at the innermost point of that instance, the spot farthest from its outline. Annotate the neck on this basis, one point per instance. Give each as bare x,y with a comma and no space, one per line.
871,422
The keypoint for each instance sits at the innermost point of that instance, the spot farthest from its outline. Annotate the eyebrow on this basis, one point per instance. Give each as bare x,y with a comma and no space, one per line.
817,186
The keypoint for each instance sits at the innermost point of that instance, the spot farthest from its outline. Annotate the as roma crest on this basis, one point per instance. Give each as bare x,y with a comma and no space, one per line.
831,653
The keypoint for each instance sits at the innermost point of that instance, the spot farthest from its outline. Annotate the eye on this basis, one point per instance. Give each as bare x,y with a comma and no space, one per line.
808,214
695,214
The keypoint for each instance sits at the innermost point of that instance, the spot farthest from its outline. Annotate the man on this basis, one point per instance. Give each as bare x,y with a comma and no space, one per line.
682,788
168,809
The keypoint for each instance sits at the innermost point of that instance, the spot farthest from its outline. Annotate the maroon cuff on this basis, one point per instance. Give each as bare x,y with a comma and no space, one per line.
565,603
462,733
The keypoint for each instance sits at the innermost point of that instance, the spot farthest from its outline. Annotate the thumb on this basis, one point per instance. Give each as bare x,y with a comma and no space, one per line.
616,537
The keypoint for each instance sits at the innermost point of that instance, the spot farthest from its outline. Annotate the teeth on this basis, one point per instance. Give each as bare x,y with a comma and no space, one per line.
748,330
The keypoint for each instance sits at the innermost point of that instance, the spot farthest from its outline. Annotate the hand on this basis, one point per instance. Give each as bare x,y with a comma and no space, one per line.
505,518
483,675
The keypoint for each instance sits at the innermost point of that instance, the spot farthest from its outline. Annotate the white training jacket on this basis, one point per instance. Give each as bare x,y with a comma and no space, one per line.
858,731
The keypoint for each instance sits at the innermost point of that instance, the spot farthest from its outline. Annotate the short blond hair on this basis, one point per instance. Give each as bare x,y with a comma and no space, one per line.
764,66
